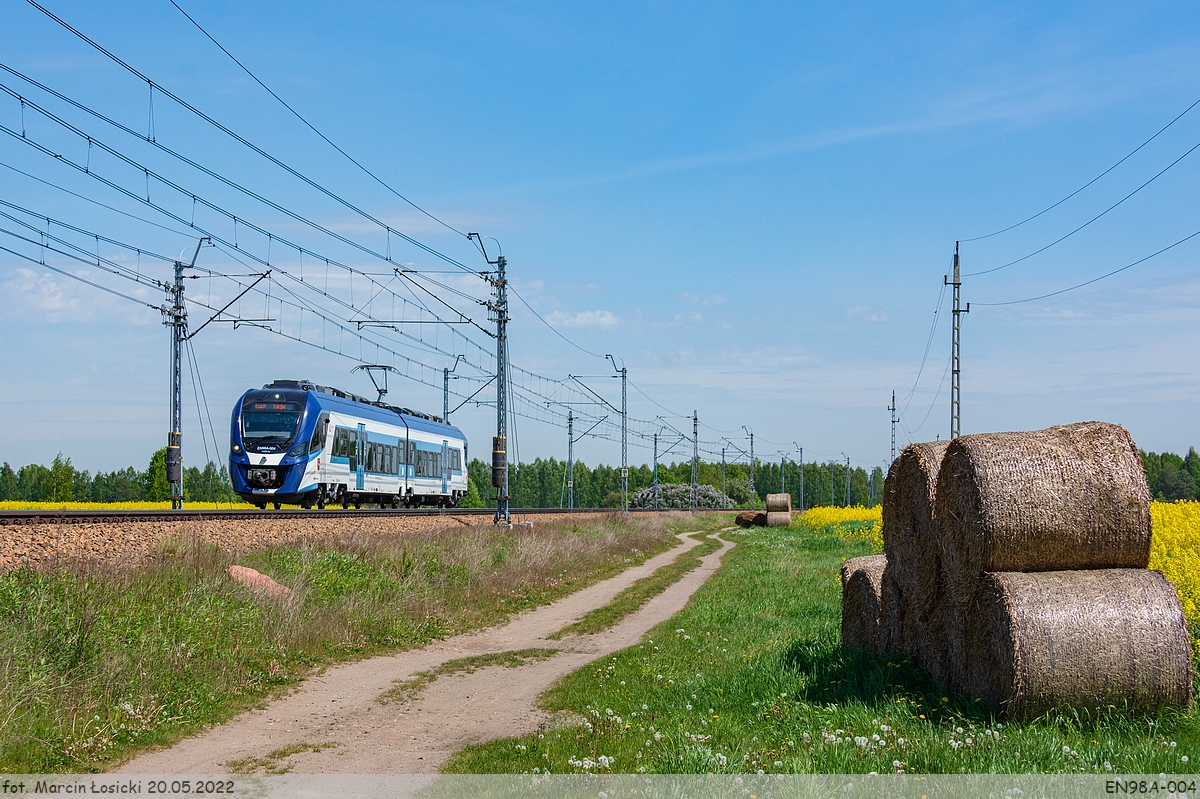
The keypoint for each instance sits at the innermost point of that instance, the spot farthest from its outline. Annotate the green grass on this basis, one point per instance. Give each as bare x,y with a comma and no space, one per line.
99,663
273,762
641,592
408,689
751,676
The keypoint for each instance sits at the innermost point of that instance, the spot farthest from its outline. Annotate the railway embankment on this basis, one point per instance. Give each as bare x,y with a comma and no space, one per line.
47,541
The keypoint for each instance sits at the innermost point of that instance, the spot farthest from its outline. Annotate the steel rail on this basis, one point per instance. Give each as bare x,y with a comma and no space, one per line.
20,517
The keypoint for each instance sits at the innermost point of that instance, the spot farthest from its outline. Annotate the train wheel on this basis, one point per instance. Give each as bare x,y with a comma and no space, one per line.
357,503
276,504
321,501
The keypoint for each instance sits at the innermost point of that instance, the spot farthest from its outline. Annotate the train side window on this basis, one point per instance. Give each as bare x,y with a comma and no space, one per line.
318,437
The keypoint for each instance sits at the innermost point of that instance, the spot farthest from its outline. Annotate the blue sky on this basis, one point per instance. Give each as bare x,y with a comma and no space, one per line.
752,209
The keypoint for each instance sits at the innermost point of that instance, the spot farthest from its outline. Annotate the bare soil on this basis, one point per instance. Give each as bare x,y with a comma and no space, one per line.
333,722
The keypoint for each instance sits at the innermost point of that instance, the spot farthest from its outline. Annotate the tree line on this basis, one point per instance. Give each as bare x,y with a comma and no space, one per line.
1171,477
62,482
540,484
543,483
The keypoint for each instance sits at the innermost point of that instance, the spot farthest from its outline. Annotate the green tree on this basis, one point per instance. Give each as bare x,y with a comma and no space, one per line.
8,483
155,477
62,479
33,483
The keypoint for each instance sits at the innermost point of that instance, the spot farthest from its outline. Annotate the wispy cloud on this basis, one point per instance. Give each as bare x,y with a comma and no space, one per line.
601,319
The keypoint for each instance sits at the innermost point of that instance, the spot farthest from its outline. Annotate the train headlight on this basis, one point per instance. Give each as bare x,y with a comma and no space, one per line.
237,450
298,451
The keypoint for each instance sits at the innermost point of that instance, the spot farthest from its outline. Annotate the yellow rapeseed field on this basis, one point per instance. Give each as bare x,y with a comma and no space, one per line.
1175,551
849,523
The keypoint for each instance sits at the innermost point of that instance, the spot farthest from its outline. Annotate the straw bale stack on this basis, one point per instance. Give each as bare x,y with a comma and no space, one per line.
911,545
777,503
780,518
862,580
1070,497
1080,639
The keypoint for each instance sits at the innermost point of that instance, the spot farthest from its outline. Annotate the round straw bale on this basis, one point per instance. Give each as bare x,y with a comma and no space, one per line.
751,518
1071,497
910,543
1079,639
780,518
861,583
891,612
779,502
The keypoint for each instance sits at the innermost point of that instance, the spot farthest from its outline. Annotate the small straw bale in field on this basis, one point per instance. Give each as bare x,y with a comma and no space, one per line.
779,518
891,613
779,503
862,580
1070,497
910,543
1079,639
751,518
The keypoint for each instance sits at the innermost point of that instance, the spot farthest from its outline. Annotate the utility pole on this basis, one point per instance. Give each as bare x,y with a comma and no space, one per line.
724,498
753,496
446,389
656,471
176,319
871,486
892,408
801,450
499,310
831,483
847,502
624,437
782,476
955,379
695,461
570,458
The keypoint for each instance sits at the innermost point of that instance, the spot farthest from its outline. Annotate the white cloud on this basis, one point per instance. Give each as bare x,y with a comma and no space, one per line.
604,319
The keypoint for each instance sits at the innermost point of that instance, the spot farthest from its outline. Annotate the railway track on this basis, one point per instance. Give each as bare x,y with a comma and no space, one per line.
18,517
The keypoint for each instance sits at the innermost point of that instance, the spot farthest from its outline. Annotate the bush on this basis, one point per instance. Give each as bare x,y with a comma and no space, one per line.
674,495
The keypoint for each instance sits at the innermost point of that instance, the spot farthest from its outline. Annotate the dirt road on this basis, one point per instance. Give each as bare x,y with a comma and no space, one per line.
335,724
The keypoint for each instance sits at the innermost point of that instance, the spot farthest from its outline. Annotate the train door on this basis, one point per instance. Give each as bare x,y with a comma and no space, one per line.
361,449
445,467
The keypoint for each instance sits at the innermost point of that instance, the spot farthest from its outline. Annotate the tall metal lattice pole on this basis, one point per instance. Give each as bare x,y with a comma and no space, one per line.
175,317
570,458
801,451
177,321
724,498
624,440
892,409
695,462
847,502
499,309
753,495
955,371
500,445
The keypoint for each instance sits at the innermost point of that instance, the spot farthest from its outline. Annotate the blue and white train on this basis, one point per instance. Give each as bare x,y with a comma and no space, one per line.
297,443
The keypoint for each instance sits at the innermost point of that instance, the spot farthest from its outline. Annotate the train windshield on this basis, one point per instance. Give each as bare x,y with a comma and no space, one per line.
270,420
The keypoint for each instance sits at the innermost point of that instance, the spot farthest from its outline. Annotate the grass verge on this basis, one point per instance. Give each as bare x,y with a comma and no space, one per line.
100,662
641,592
409,689
750,677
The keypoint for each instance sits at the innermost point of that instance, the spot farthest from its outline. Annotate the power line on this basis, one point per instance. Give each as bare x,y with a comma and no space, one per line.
1090,182
1090,221
556,331
80,279
1095,279
310,126
245,142
928,343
